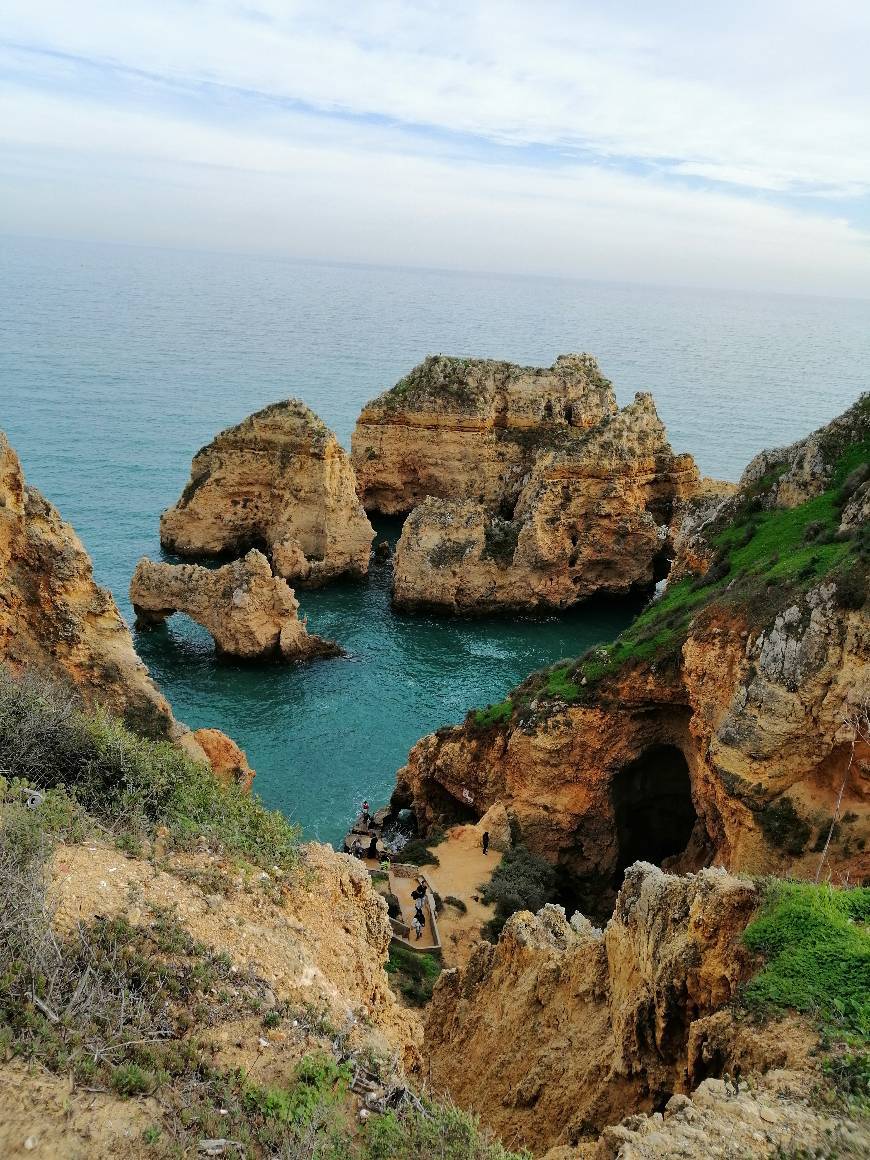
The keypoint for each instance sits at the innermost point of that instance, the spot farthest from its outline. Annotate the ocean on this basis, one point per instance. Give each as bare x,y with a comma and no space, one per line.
117,363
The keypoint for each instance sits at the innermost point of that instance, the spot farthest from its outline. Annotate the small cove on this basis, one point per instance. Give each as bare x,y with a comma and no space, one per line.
117,363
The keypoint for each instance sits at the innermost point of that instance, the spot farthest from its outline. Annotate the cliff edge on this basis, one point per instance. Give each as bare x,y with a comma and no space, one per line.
56,621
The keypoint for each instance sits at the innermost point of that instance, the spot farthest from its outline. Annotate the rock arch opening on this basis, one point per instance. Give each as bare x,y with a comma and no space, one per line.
653,809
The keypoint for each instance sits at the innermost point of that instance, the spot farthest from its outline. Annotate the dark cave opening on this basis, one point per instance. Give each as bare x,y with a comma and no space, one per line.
652,807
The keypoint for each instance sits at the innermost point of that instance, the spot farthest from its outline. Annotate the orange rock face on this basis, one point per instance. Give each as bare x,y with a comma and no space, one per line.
55,620
592,517
279,480
559,1030
471,429
229,763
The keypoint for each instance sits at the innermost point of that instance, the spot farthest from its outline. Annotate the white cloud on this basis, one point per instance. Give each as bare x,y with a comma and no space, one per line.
669,143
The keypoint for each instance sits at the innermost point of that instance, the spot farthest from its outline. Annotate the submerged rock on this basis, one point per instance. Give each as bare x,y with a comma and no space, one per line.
281,481
249,612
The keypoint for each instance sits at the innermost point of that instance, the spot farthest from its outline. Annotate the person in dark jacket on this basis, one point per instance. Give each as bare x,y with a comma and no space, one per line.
485,841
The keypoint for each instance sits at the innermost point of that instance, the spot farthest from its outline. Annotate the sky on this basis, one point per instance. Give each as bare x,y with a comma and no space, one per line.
654,141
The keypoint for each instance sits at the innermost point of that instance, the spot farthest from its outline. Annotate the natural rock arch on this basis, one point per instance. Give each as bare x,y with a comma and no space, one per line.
653,811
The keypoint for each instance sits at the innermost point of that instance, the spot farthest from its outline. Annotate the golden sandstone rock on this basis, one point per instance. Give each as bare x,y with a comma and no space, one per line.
249,612
724,727
560,1030
528,488
281,481
56,621
471,429
592,517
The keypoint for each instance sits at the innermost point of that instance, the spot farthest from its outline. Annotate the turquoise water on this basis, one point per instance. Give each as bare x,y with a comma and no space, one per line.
117,364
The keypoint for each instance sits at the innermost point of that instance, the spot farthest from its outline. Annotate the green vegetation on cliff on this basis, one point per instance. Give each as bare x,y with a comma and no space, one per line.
128,1007
815,941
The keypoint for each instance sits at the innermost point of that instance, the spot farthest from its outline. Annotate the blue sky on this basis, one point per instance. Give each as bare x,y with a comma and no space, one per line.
711,144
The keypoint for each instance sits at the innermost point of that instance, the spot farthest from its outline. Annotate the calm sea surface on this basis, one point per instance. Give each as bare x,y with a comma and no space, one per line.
117,364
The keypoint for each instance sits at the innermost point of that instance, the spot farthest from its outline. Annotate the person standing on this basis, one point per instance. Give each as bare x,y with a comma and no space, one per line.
485,841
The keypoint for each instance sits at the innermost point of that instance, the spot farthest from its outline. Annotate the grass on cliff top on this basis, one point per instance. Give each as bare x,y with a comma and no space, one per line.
129,784
815,941
764,560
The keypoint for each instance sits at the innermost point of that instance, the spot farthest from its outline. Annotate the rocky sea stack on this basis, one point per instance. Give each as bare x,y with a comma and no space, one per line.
722,726
250,613
280,482
470,429
528,488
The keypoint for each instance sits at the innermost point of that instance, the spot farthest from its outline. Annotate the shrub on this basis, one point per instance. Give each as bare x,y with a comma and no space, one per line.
521,881
129,783
417,852
493,714
457,903
439,1130
413,973
131,1080
851,585
783,826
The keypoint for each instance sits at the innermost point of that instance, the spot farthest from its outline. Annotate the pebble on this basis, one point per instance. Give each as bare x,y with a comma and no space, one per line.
30,1143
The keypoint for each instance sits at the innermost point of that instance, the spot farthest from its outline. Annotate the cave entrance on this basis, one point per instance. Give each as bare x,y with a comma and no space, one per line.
652,807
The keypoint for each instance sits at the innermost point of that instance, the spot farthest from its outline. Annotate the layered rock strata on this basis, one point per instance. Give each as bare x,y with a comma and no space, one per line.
281,481
56,621
560,1030
249,612
471,429
728,724
591,517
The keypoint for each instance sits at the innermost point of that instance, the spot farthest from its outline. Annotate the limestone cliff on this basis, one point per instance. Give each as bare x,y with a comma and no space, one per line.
55,620
592,517
249,612
560,1030
279,480
471,429
724,725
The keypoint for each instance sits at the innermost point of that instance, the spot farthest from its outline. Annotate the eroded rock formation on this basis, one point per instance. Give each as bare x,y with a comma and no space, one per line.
471,429
723,725
249,612
228,762
560,1030
56,621
591,517
281,481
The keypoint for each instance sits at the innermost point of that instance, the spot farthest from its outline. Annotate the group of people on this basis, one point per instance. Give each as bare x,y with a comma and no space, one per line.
419,896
